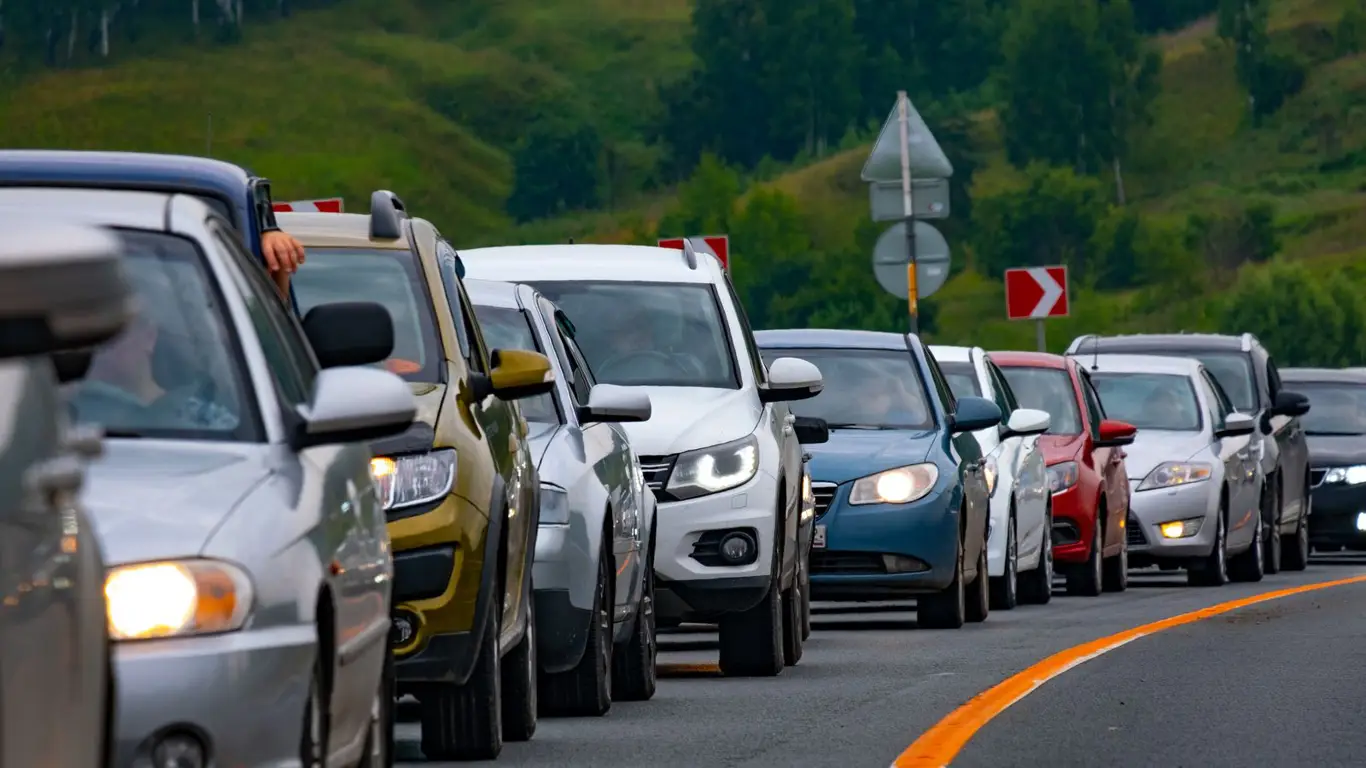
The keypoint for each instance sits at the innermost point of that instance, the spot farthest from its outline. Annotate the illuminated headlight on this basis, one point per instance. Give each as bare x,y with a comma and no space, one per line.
414,479
1173,473
1345,475
1181,529
554,505
176,599
1062,476
989,469
715,469
895,486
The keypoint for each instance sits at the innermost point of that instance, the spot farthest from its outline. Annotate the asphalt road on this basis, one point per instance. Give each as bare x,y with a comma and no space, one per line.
1272,684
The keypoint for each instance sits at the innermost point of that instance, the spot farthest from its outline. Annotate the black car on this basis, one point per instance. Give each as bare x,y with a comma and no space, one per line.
1248,374
1336,429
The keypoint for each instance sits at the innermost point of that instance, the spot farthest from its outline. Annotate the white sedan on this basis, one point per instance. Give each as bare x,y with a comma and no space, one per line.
1020,547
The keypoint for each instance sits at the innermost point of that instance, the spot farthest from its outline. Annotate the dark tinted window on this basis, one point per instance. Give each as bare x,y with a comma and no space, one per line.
1233,371
864,389
1334,408
506,328
1150,400
962,379
1050,390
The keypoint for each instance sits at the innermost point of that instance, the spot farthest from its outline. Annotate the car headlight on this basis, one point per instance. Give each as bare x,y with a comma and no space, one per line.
1062,476
1345,475
554,505
1173,473
414,479
989,469
176,599
715,469
895,486
1181,529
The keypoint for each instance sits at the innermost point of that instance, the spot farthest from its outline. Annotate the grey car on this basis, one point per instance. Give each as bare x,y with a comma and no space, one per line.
593,576
1192,467
61,288
248,591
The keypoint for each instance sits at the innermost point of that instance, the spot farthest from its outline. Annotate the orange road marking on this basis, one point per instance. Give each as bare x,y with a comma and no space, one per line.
938,746
677,669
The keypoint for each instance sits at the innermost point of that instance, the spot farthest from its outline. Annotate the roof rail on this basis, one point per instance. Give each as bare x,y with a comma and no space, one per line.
1077,342
1248,341
689,253
386,215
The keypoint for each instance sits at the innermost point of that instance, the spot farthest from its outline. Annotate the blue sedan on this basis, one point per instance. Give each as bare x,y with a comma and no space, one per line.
901,489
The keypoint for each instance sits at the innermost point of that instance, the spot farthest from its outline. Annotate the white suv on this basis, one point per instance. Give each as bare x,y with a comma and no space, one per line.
721,451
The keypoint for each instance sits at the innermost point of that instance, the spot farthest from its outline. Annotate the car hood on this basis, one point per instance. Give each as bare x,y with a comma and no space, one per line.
1154,446
1336,450
538,438
429,398
854,453
155,499
687,418
1059,448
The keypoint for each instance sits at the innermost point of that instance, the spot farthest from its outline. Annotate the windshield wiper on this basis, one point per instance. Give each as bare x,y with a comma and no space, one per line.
860,426
1322,433
123,434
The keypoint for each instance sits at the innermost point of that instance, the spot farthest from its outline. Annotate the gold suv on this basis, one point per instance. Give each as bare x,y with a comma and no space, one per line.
460,488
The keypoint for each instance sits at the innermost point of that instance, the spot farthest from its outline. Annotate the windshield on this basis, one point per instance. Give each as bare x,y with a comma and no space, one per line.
1049,390
962,378
1233,371
1149,400
389,277
1335,408
505,328
175,371
648,334
864,389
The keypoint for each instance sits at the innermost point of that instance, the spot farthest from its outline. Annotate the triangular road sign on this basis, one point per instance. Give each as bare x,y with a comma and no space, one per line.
927,157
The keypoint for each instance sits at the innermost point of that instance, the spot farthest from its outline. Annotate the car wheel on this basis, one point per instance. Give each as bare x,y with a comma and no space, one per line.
1037,586
792,620
1004,595
464,722
948,609
1212,571
519,682
586,690
752,641
1087,579
1295,556
1249,565
635,677
979,594
1271,539
1115,574
806,597
313,744
379,743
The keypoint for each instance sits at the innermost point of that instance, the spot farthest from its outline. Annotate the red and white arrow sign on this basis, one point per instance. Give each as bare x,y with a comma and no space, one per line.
327,205
1036,292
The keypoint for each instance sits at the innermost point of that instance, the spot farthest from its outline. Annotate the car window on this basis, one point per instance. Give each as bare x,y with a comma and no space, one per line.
1049,390
581,379
1003,390
649,334
1335,408
864,388
390,277
176,371
1273,377
946,394
1159,401
962,379
756,360
507,328
1095,410
1214,407
450,280
1233,370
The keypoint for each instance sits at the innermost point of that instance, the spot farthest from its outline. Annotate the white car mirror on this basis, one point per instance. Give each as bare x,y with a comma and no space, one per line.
355,405
1027,421
1236,424
791,378
611,403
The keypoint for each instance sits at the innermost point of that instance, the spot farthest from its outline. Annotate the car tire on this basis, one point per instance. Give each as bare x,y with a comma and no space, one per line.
317,716
947,609
1212,571
806,596
1295,549
792,621
635,676
586,690
464,722
979,594
1088,579
1005,588
519,670
379,743
1036,588
1115,569
1249,565
1271,539
751,642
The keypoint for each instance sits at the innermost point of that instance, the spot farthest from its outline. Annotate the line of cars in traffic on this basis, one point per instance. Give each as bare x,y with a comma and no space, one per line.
487,478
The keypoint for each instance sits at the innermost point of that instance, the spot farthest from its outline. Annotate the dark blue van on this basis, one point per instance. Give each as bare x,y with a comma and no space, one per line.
238,195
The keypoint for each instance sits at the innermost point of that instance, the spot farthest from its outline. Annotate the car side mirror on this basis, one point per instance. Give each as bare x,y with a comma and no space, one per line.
811,430
974,413
789,379
1236,424
63,291
1115,433
1026,421
1290,404
350,333
354,404
611,403
515,374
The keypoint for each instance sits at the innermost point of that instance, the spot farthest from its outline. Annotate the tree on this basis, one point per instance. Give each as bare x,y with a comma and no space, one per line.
809,75
1303,320
557,166
1050,220
1269,75
1135,68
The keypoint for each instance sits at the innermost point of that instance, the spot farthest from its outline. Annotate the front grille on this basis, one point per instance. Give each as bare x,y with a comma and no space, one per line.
656,470
825,495
1134,532
1316,477
825,561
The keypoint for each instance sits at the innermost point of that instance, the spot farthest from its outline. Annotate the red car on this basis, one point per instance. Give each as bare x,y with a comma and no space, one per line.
1085,458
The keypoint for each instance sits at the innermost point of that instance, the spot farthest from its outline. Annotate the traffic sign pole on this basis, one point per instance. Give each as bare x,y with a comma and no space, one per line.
1040,335
908,208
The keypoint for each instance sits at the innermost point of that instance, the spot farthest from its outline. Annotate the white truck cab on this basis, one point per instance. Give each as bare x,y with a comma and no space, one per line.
721,450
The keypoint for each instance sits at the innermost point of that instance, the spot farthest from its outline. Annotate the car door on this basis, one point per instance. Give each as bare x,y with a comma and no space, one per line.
1294,451
1031,497
968,453
1109,464
1239,458
333,487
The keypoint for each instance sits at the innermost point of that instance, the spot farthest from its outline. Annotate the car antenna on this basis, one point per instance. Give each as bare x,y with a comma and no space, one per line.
571,241
1095,352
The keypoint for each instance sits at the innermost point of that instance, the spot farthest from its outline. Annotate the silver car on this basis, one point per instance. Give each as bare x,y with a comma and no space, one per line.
1195,476
593,576
248,591
61,288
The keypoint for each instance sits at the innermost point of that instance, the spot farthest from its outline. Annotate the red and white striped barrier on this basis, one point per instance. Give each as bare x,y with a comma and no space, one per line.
327,205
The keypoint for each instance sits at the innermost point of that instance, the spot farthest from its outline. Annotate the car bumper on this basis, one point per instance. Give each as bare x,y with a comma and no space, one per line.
1148,510
1073,526
1336,509
242,695
885,551
562,567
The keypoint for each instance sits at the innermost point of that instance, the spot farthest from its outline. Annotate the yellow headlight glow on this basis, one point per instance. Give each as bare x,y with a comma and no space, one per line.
1173,529
171,599
895,487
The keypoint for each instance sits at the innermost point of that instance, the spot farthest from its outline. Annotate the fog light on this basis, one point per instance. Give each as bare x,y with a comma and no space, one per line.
1181,529
737,548
178,750
1361,521
403,628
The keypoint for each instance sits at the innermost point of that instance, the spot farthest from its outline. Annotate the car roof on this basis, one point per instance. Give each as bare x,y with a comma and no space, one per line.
1138,342
589,261
1324,375
794,338
337,230
1012,359
118,208
18,166
493,293
948,353
1183,366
